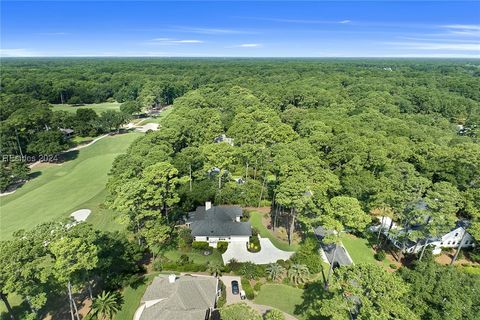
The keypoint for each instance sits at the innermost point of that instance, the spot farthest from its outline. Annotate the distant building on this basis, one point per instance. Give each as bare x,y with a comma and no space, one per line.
179,298
239,180
218,223
214,171
223,138
67,133
451,239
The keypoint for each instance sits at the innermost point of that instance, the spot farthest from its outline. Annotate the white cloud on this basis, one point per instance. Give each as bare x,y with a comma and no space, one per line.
170,41
248,45
463,26
210,31
188,41
472,30
21,52
450,46
303,21
52,33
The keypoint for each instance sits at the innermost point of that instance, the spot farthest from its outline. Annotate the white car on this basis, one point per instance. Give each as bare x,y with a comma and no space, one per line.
242,295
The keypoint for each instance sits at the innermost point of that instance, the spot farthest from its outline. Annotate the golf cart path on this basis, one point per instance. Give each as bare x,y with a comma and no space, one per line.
74,148
33,165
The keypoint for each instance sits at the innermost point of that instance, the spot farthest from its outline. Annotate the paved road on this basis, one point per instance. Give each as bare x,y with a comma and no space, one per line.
268,253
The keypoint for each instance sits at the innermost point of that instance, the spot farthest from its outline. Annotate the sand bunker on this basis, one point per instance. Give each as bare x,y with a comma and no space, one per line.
148,126
81,215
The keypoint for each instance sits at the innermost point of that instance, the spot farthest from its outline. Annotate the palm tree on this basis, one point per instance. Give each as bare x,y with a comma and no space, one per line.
106,304
275,271
298,273
215,269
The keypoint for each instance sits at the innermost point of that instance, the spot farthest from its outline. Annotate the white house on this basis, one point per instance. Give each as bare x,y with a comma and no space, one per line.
218,223
451,239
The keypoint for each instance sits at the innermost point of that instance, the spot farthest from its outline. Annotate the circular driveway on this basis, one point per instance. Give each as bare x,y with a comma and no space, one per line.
268,253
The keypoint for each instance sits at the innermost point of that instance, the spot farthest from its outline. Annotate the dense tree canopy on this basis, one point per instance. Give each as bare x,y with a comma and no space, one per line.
320,141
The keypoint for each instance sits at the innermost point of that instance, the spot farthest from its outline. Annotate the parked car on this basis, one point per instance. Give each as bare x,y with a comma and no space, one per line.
235,288
243,296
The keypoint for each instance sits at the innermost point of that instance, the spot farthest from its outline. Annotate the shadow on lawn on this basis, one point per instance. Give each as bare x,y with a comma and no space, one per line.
68,156
312,296
137,281
19,312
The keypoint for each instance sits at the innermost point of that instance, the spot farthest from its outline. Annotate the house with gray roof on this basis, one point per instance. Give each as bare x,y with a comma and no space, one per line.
179,298
218,223
336,254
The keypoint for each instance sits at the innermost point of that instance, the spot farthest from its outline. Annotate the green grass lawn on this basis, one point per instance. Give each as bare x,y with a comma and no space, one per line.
358,248
280,296
132,297
256,221
196,257
97,107
18,308
61,189
80,140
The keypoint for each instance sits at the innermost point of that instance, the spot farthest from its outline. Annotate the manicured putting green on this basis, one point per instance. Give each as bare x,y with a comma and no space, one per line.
59,190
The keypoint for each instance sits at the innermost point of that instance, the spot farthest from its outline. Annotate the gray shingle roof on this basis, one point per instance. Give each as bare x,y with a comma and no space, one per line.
218,221
321,232
188,298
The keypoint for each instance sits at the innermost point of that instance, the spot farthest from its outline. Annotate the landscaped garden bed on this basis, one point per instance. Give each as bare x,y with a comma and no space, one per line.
260,222
254,244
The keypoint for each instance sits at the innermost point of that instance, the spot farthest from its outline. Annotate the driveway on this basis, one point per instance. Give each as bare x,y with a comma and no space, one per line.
227,281
268,253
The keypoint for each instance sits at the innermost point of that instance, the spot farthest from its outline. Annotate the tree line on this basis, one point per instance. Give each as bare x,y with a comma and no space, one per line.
330,143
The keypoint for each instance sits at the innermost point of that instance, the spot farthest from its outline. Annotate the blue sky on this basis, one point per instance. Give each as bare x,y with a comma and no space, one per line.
241,29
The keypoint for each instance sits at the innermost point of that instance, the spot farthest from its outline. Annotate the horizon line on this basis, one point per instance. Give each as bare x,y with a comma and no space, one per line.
249,57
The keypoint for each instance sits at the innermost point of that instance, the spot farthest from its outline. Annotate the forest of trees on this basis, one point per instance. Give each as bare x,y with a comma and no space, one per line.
330,142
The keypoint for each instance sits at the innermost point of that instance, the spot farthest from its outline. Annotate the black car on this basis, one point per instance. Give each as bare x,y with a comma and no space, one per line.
235,288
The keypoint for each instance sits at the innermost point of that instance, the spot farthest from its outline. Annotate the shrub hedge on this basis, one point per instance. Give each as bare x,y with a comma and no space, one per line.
222,246
223,297
247,287
380,255
200,245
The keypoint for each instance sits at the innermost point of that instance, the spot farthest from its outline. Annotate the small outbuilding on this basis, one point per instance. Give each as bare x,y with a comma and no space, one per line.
67,133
